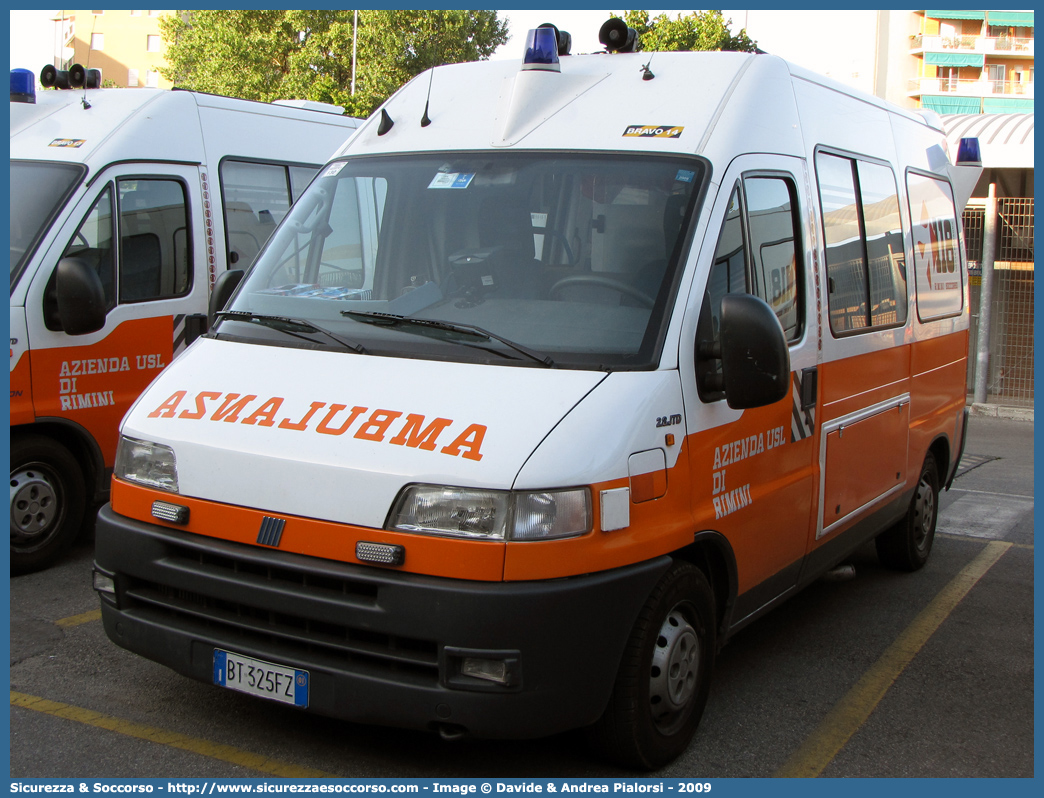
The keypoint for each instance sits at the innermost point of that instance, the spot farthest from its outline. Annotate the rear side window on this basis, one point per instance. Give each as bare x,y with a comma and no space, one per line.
939,277
866,262
255,198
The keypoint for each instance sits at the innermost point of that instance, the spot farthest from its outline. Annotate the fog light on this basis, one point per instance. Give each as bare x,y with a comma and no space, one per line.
174,513
492,670
104,583
380,553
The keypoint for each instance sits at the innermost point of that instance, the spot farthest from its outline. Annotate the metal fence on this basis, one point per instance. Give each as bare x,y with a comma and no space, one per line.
1010,380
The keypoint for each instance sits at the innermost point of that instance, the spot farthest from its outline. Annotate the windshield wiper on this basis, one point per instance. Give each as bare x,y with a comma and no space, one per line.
285,323
395,320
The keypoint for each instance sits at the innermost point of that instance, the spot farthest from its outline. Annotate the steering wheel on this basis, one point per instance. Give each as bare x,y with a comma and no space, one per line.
641,297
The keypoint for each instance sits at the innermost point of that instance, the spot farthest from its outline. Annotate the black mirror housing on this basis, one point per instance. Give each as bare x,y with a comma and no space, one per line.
81,297
226,284
755,361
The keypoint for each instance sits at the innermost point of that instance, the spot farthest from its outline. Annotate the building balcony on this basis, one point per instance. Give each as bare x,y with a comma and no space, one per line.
1016,47
970,88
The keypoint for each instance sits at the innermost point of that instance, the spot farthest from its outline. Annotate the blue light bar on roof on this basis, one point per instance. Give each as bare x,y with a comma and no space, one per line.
541,50
23,86
968,153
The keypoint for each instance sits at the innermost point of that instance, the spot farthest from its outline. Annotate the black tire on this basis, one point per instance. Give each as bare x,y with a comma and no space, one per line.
664,677
47,502
906,546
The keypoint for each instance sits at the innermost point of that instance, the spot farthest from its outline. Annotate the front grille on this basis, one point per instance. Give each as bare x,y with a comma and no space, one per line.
334,644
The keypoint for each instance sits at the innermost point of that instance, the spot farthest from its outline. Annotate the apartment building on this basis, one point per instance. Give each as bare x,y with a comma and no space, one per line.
125,45
972,62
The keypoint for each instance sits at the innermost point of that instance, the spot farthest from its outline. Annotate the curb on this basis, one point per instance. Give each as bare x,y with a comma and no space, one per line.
1001,411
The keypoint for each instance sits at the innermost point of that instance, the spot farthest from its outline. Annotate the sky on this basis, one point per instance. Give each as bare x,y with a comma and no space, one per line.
785,33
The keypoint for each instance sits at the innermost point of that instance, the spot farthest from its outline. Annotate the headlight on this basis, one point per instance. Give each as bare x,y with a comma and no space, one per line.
146,463
491,514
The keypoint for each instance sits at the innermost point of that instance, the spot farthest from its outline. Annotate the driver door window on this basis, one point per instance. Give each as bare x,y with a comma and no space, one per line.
758,253
92,243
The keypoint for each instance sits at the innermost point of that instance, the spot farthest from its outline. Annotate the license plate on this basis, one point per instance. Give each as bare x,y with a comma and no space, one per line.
256,677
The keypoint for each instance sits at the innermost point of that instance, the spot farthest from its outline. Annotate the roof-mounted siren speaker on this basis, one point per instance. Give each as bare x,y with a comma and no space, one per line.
23,86
564,40
968,152
541,50
80,78
617,37
53,78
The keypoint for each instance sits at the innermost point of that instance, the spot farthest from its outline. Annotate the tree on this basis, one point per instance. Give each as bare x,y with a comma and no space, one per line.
699,30
268,55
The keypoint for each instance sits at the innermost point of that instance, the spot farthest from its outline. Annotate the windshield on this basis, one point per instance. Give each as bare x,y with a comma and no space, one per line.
532,258
38,191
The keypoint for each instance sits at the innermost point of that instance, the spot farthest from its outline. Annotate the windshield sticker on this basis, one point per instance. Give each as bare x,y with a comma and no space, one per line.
452,180
684,176
413,431
334,168
654,131
67,143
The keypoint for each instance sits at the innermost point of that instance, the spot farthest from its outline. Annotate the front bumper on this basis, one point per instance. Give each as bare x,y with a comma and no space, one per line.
381,646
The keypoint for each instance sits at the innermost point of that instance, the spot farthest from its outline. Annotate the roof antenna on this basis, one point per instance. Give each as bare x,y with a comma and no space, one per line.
425,121
86,69
647,73
386,123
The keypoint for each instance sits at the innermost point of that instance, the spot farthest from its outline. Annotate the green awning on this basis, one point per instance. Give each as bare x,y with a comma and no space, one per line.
955,59
951,105
1017,19
956,14
1007,105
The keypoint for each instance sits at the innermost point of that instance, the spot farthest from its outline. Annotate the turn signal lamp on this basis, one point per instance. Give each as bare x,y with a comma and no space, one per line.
23,86
541,50
968,153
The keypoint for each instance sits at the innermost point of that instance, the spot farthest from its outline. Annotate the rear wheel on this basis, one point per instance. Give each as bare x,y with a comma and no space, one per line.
664,677
906,545
47,502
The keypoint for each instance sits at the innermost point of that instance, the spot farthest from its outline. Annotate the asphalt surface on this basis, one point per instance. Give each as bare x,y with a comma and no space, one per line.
961,704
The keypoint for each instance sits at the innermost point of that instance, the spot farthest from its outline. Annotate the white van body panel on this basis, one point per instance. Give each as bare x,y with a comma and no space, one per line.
627,413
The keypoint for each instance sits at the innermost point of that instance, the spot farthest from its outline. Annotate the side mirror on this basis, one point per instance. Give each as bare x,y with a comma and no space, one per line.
81,297
755,361
225,285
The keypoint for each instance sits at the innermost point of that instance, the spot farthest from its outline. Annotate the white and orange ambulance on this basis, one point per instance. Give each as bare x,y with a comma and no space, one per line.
125,206
558,374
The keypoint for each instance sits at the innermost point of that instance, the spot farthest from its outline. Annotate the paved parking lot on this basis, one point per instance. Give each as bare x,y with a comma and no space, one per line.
881,674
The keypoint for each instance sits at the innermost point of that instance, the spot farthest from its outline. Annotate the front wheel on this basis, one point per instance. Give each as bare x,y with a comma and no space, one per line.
47,502
906,546
664,677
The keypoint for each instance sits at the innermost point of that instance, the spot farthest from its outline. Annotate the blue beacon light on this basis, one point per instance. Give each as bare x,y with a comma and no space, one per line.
23,86
968,153
541,50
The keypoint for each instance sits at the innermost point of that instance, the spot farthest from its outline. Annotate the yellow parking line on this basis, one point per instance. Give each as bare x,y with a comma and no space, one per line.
76,620
225,753
851,712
